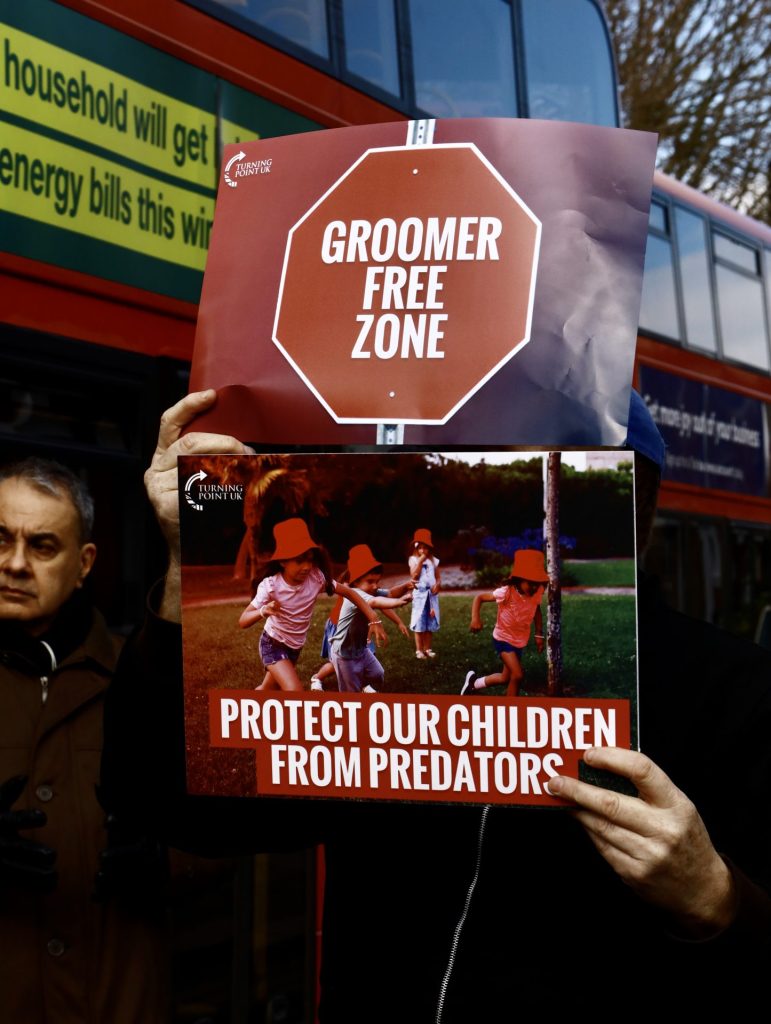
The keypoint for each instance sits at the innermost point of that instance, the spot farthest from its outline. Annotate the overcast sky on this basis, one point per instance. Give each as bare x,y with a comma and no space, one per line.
576,459
601,459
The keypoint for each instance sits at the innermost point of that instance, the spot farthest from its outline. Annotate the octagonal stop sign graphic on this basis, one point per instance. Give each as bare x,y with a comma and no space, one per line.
408,285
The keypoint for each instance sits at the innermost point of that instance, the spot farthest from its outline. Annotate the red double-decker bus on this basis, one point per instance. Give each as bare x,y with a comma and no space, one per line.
113,115
703,366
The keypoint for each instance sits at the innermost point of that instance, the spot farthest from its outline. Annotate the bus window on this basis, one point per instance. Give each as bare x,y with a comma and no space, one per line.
740,302
568,63
370,42
740,255
658,312
302,22
693,256
463,58
657,218
742,322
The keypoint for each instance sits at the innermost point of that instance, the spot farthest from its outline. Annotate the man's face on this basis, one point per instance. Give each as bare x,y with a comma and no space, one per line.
41,558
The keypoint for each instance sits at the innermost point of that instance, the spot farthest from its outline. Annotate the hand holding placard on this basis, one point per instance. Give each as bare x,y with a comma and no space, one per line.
656,842
161,479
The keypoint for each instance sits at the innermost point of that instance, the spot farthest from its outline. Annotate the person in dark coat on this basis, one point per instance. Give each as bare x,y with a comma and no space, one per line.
622,904
73,947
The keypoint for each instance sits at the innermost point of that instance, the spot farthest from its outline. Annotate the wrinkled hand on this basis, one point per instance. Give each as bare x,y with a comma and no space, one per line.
656,842
23,861
161,478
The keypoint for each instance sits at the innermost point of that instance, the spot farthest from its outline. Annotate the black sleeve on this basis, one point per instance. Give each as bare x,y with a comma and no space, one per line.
143,763
705,704
753,913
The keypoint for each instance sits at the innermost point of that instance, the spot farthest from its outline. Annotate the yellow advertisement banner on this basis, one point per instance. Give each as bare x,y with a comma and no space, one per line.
232,132
63,91
65,187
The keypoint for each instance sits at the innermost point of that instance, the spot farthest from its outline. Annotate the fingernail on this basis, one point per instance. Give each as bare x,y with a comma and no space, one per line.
553,787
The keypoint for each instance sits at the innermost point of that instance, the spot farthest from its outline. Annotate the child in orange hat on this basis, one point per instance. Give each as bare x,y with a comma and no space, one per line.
355,665
327,670
519,603
424,571
298,571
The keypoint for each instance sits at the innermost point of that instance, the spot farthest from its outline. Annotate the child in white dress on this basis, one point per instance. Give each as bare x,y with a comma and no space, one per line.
424,572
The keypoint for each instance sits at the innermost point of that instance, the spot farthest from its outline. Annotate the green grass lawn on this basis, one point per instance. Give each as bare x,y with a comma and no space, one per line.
611,572
598,649
598,660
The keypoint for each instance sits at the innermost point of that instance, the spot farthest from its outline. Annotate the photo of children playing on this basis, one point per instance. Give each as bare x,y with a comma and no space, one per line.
375,573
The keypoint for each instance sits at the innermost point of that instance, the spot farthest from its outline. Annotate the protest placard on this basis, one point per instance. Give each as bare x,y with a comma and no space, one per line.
285,695
476,282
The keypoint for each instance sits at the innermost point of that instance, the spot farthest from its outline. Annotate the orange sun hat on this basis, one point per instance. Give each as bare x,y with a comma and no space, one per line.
423,537
528,564
292,538
361,561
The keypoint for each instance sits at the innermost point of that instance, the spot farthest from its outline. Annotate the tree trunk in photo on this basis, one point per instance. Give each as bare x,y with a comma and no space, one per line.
242,568
551,495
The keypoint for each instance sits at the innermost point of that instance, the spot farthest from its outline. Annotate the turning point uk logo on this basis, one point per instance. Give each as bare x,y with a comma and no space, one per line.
245,170
200,475
197,492
239,156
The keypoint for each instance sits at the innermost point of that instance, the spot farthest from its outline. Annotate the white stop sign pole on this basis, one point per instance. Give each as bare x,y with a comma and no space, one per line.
419,133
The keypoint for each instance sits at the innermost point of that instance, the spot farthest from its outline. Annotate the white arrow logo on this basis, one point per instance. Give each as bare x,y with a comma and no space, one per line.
200,475
231,161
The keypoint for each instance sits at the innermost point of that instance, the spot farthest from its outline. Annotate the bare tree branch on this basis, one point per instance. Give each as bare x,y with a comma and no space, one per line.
697,72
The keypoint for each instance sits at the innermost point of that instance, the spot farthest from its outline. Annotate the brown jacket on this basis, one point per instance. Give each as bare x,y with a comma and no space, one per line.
64,957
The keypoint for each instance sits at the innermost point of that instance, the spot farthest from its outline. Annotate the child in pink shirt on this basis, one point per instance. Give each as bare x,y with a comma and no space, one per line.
519,604
298,571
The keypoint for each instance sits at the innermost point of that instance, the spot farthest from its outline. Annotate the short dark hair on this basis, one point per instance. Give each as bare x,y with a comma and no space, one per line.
53,478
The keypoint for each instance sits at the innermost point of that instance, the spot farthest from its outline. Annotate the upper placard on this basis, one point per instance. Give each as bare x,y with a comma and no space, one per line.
475,280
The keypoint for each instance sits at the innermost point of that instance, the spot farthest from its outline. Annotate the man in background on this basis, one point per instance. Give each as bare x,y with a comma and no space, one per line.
82,927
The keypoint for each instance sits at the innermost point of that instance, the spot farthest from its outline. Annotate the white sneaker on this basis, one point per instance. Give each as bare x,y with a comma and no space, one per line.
420,655
468,684
369,689
316,683
430,654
